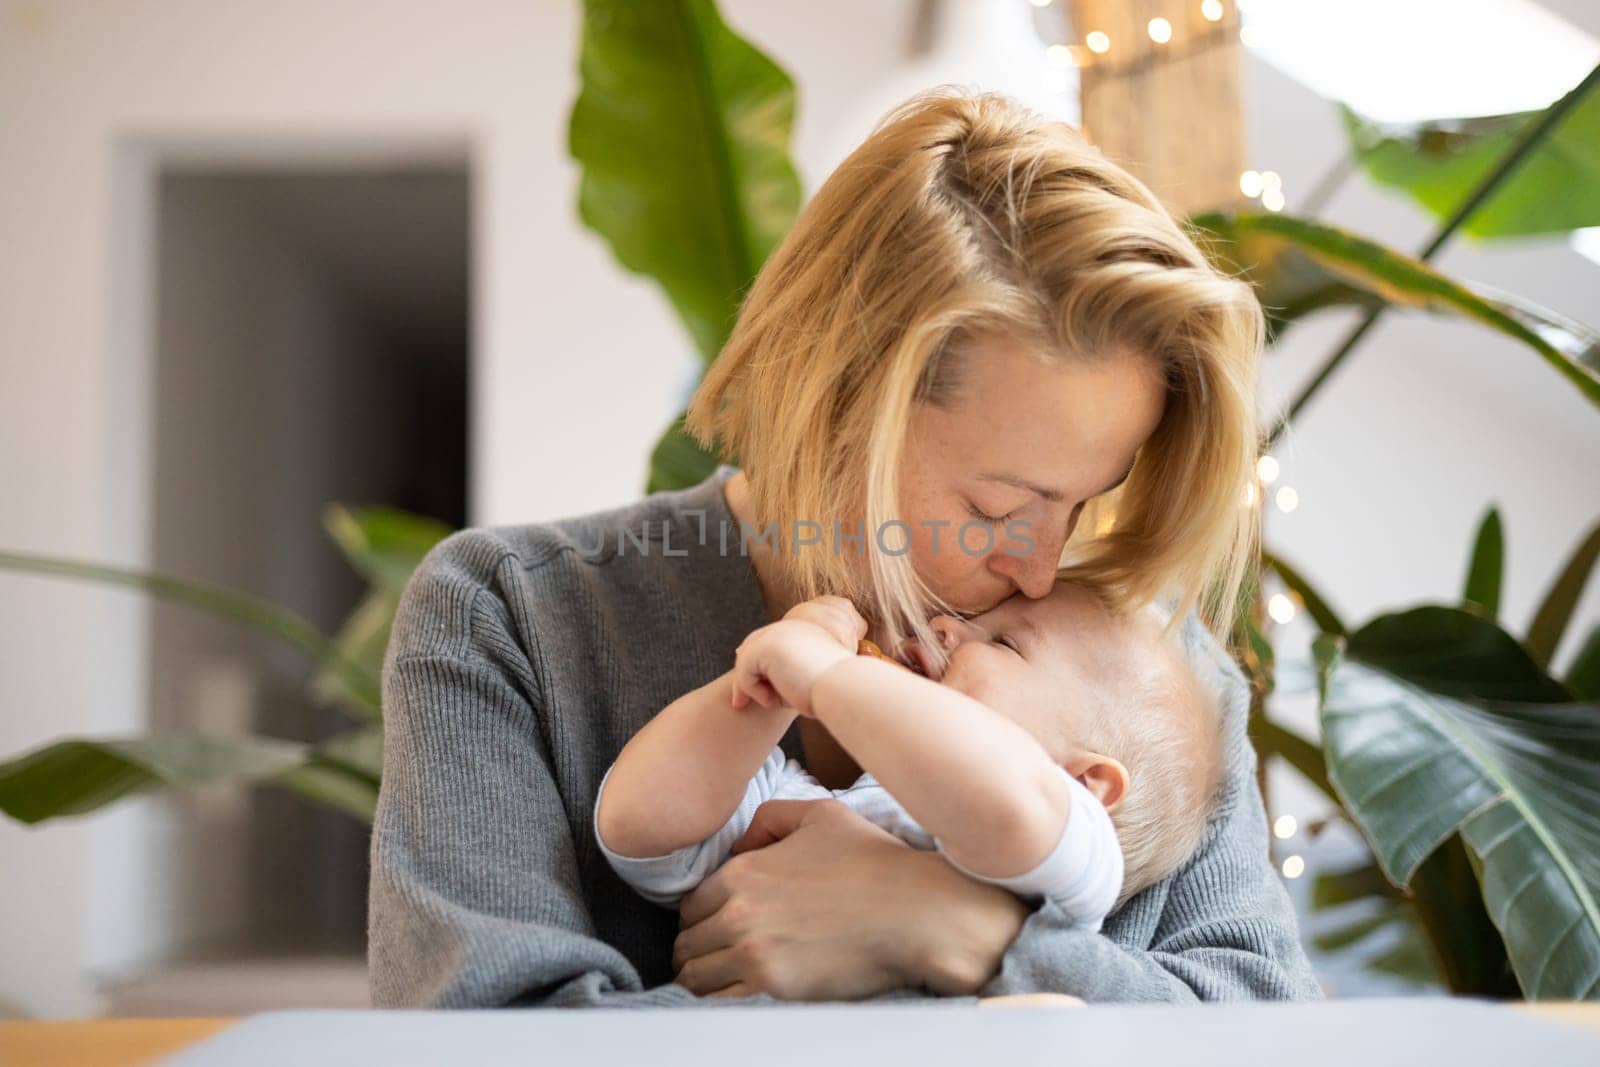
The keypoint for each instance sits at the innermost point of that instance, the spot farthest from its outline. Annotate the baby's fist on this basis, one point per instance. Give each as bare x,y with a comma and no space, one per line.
777,664
834,614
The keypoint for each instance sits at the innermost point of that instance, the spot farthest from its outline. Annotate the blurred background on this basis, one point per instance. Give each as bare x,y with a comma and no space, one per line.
258,257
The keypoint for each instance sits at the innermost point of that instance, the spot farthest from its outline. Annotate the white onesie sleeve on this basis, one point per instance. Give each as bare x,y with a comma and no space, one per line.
665,879
1083,873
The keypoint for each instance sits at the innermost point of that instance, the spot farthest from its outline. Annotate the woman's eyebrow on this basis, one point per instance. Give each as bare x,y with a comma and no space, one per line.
1051,495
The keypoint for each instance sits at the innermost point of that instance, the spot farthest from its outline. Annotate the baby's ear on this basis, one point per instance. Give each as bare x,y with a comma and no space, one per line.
1102,775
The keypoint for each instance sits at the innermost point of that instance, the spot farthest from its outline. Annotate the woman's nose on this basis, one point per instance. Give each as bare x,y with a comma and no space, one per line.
1034,573
1031,565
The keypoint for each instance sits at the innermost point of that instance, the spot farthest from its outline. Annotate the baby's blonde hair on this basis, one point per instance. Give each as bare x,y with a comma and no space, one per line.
961,215
1163,725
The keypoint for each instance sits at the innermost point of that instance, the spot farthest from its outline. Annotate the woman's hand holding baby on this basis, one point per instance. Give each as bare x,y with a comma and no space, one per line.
776,665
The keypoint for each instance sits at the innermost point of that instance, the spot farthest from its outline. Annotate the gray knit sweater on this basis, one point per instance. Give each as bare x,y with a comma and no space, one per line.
524,657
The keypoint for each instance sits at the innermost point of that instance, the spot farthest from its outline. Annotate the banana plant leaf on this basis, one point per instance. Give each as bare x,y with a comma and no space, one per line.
1440,162
1555,611
1518,781
1299,266
1457,653
678,461
332,787
682,132
78,776
357,752
1485,567
72,777
1583,677
384,545
348,675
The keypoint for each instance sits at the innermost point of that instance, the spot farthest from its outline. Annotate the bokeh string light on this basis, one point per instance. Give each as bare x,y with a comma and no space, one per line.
1161,31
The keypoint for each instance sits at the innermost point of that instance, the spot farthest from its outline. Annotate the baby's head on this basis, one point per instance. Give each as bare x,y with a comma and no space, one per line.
1112,700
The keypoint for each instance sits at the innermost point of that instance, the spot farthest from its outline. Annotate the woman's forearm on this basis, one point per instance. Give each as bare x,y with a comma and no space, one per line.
970,776
680,777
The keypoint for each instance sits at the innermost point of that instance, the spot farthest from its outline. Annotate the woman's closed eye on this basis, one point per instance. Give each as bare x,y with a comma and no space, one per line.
992,520
1008,641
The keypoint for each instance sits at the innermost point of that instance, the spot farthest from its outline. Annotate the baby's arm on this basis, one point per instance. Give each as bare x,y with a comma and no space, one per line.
702,749
679,778
970,776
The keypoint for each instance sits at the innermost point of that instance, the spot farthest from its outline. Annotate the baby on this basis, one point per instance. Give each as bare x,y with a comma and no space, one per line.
1064,752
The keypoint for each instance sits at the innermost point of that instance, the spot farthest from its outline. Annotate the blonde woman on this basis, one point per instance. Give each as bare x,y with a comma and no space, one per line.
984,356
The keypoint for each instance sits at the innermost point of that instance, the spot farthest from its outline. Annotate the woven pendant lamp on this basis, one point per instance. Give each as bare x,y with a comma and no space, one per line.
1160,93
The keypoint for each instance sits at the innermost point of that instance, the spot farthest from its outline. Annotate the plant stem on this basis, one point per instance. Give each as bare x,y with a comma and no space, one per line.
1535,132
1316,202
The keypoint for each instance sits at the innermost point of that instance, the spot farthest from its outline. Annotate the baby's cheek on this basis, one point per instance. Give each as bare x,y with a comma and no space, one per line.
969,675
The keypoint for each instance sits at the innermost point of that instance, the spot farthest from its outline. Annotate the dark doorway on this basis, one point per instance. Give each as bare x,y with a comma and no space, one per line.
311,346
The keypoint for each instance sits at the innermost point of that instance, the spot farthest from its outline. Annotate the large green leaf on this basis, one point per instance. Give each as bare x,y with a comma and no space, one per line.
332,786
384,545
359,681
1439,163
1583,677
682,131
76,776
362,640
678,461
1467,948
81,775
1520,782
1486,566
1300,265
358,752
1454,652
1550,621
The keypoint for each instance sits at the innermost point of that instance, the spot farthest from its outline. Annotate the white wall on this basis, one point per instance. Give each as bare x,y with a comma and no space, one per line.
572,357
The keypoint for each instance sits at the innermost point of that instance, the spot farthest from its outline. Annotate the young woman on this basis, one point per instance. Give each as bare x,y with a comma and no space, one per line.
983,356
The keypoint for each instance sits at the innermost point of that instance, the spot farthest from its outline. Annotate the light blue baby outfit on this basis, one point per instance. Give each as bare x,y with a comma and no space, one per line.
1083,873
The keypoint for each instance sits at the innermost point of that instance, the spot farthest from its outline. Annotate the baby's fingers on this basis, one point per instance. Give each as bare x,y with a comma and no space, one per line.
755,693
749,683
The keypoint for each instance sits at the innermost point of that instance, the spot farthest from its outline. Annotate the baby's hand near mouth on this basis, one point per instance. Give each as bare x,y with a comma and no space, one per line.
834,614
777,664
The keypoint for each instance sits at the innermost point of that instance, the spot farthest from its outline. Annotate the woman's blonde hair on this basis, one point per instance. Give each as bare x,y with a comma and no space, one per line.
964,215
